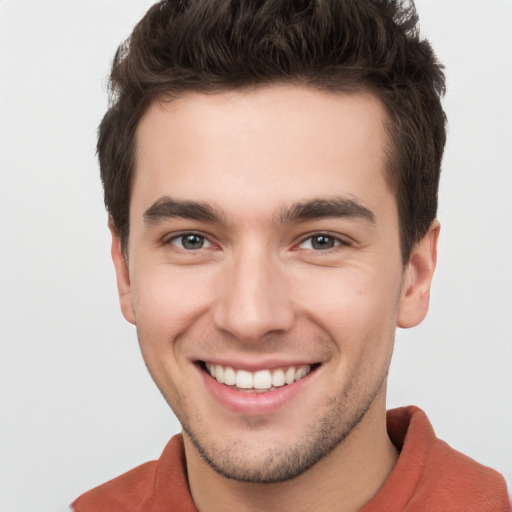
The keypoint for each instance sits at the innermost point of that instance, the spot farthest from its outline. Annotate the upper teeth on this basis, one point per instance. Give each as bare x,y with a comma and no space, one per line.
261,379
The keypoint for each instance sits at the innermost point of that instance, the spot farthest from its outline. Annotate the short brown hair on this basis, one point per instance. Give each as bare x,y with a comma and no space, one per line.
334,45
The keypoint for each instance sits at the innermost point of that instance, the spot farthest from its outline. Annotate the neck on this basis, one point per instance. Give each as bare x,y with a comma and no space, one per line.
345,480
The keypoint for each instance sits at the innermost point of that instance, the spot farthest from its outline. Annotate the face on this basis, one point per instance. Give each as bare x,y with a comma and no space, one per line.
264,272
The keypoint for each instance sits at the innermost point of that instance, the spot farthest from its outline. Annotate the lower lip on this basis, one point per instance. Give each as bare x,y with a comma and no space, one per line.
253,403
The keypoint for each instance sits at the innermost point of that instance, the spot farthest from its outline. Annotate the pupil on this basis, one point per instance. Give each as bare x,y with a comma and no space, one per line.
322,242
192,242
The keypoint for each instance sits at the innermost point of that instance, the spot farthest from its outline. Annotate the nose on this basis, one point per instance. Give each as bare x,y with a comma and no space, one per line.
253,298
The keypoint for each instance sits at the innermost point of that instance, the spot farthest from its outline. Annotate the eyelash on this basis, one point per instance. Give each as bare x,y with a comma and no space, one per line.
183,236
336,241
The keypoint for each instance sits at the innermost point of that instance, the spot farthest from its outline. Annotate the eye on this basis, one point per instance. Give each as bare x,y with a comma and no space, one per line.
190,242
320,242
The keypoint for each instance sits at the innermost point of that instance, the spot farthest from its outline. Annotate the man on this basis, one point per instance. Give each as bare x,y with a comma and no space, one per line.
271,172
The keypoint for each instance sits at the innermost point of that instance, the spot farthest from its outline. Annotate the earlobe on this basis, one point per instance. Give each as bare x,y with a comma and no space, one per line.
122,274
417,279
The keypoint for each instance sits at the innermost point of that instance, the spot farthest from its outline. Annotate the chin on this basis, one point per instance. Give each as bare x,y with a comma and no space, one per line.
252,459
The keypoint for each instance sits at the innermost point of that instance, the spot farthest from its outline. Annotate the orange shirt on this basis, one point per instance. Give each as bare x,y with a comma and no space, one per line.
429,476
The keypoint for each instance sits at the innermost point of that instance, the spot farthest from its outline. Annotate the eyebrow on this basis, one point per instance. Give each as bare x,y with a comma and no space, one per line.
325,208
166,208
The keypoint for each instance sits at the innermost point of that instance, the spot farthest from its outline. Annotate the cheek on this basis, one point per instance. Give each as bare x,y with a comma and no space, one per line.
166,304
167,293
352,294
357,308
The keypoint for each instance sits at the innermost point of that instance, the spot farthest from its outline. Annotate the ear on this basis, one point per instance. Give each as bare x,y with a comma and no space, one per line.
123,275
418,278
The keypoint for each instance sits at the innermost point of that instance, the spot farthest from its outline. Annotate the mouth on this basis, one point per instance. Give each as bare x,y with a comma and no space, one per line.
260,381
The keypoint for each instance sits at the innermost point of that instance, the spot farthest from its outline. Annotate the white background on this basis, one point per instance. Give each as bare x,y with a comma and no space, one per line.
77,406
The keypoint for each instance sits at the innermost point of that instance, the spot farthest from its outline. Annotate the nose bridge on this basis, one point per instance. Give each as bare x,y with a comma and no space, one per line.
253,299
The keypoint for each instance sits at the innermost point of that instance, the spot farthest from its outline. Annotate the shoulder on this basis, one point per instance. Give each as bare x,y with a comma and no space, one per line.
124,493
136,489
458,479
430,475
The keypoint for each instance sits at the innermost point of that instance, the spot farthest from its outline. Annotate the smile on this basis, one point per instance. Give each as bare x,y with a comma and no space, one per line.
258,381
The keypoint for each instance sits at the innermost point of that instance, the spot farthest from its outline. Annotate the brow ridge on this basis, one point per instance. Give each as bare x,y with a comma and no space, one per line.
166,208
325,208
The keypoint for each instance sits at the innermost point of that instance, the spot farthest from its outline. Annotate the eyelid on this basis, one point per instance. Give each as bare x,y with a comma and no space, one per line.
170,238
339,240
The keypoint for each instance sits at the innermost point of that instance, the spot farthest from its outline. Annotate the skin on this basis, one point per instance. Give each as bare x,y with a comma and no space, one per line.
260,294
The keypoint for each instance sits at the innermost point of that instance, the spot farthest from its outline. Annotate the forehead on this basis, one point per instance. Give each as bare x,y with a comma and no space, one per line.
276,144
